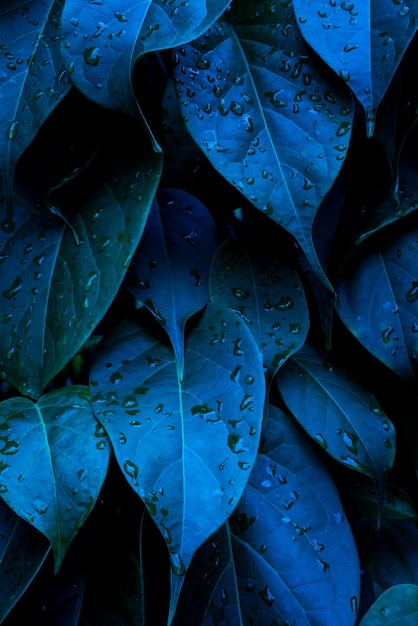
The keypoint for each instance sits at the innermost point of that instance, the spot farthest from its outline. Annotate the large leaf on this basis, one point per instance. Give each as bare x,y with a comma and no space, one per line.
386,321
362,42
103,40
186,446
267,293
267,117
54,286
53,462
169,271
396,606
32,81
339,413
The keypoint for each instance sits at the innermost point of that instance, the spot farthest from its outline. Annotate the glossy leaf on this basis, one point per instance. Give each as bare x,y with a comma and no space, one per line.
32,80
58,281
339,413
397,504
362,42
103,40
397,605
186,447
394,558
54,458
267,293
169,271
386,322
21,556
294,554
251,91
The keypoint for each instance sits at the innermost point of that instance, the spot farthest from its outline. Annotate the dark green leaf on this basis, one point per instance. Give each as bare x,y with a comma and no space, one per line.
249,93
396,606
339,413
267,293
397,504
169,271
362,42
32,80
53,461
386,321
57,282
185,446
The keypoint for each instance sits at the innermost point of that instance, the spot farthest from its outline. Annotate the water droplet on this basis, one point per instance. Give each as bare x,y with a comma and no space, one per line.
412,294
266,596
347,6
354,604
236,108
131,469
203,63
244,465
237,351
344,75
10,446
343,129
40,506
285,303
240,294
177,564
386,333
12,129
129,402
92,55
321,440
13,290
121,17
115,378
349,47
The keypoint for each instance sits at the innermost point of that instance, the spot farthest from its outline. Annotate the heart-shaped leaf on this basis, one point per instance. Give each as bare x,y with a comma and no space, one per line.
32,80
386,322
339,413
362,42
267,293
249,93
21,556
54,287
53,462
169,271
397,605
186,446
103,40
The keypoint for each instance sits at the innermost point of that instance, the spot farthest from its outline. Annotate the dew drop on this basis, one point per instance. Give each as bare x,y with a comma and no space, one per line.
412,294
266,596
13,290
12,129
344,75
92,55
236,108
131,469
177,564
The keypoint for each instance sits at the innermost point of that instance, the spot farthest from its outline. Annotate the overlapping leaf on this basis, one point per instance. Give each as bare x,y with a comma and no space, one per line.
53,461
32,80
267,293
169,271
186,447
57,282
103,40
340,414
249,94
363,42
386,321
397,605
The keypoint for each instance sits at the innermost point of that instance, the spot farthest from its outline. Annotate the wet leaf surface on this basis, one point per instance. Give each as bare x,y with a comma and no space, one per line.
397,605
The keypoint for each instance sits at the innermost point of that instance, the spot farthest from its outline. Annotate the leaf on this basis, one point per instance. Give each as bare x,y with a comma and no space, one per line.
169,271
250,92
54,459
22,555
339,413
386,322
294,554
267,293
397,605
186,447
53,292
32,81
397,503
362,43
103,40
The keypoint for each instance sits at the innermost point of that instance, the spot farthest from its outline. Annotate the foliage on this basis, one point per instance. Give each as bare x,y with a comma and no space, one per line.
209,312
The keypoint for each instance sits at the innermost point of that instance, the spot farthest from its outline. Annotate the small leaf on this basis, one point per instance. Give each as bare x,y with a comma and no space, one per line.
341,415
53,292
186,447
386,322
267,294
169,271
397,605
53,461
249,93
362,42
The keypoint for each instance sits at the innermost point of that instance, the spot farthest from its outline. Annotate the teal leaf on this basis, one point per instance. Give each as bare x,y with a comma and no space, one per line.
386,322
397,605
53,462
186,447
266,293
32,80
250,92
103,40
362,42
397,504
339,413
57,281
21,557
169,271
294,554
